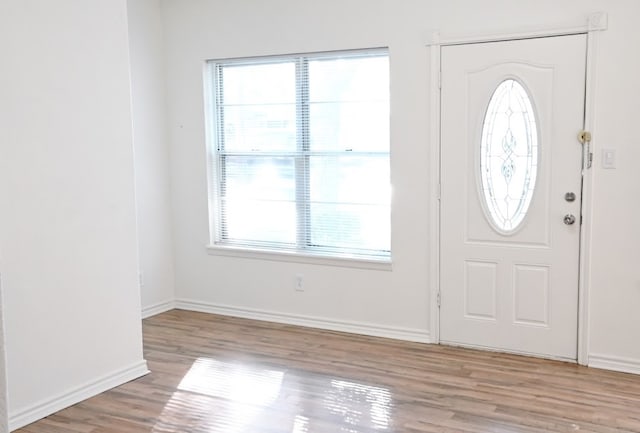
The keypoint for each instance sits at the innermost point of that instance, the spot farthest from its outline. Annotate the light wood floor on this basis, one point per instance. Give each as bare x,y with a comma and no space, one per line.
219,374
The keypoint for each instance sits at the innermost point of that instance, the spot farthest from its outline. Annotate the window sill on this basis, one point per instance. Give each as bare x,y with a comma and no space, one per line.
296,257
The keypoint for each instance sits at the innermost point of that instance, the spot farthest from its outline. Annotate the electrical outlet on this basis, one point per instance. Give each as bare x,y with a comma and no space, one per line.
298,284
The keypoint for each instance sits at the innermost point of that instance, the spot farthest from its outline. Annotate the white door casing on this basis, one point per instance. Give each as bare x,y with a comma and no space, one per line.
512,290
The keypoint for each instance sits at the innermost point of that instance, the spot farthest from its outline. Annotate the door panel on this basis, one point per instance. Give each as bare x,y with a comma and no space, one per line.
504,285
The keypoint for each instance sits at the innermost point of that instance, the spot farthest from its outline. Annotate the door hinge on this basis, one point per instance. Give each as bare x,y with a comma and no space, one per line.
439,193
584,137
438,299
440,79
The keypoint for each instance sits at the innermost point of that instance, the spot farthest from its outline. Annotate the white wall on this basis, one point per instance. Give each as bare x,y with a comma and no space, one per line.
397,300
201,30
151,146
67,209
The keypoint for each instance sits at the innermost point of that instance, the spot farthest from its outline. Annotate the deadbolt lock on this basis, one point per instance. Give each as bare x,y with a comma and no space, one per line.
570,196
584,137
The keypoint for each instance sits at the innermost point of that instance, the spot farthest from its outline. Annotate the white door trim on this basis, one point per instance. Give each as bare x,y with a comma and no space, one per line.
596,23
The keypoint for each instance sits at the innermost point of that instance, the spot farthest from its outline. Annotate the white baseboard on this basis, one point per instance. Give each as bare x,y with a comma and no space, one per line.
160,307
51,405
398,333
615,363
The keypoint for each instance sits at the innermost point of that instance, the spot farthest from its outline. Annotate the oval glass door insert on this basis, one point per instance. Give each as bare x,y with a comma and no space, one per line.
508,156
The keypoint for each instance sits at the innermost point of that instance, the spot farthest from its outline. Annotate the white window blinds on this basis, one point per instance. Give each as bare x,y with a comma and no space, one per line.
299,154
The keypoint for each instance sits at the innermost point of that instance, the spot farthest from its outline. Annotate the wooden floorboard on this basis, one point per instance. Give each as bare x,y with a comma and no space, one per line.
220,374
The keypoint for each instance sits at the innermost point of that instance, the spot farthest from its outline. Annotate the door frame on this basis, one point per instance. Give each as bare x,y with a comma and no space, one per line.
596,23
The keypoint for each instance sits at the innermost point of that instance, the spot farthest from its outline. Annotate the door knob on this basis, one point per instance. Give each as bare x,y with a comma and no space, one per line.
569,219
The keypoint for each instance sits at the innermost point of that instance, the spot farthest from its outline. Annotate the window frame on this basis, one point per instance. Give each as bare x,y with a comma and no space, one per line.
303,251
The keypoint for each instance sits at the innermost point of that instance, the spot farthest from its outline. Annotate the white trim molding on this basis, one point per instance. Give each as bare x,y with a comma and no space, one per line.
298,257
160,307
598,21
397,333
90,389
434,249
615,363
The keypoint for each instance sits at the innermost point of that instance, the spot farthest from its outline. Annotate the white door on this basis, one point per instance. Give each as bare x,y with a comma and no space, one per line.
511,177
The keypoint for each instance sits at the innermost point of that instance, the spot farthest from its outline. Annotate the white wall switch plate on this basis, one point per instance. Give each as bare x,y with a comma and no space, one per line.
608,158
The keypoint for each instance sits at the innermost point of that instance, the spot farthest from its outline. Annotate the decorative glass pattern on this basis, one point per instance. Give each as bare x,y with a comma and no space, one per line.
509,155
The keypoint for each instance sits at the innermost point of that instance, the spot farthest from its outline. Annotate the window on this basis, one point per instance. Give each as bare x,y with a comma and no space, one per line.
509,155
299,154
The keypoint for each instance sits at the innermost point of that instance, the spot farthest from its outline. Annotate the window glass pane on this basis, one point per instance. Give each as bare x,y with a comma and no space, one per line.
350,202
354,79
344,126
259,221
350,226
258,199
256,177
260,128
271,83
350,179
